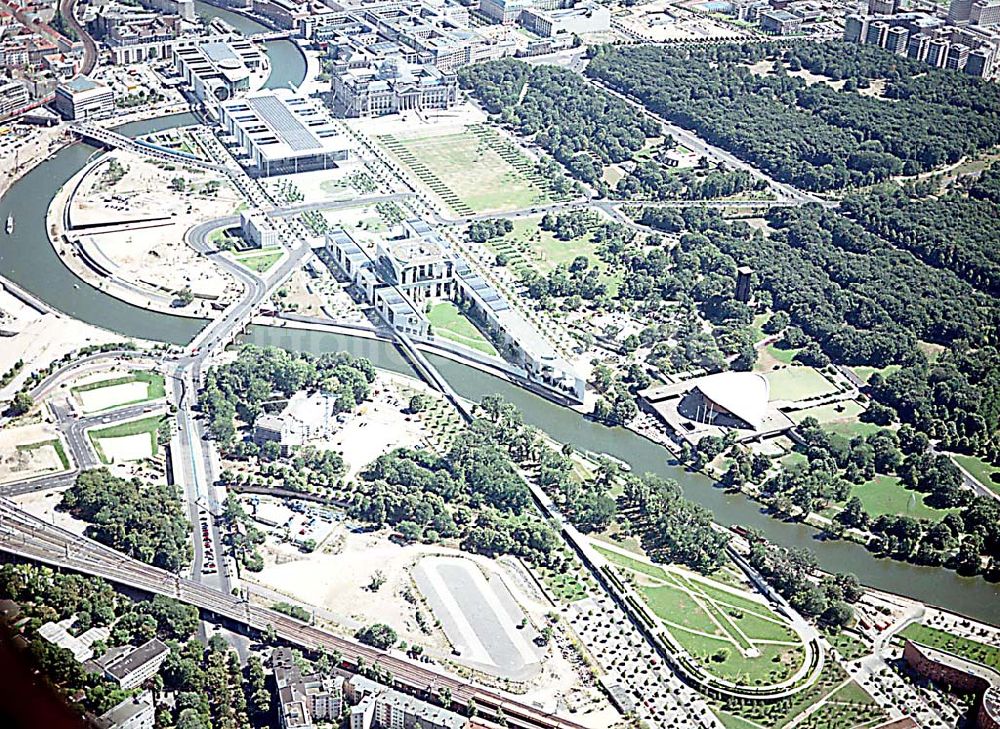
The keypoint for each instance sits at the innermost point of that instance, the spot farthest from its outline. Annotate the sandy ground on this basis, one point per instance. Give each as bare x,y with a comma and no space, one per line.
14,314
17,465
43,340
43,505
376,428
108,397
127,447
154,256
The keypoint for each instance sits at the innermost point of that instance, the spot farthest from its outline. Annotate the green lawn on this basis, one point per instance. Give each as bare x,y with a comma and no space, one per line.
155,386
798,383
848,707
846,411
133,427
782,355
528,246
259,261
848,646
971,650
980,470
474,170
886,495
865,372
716,625
449,322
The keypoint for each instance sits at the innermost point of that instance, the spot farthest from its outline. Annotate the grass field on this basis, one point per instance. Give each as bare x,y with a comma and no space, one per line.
886,495
449,322
833,702
475,170
798,383
133,427
988,655
981,471
865,372
155,387
721,628
785,356
528,246
259,261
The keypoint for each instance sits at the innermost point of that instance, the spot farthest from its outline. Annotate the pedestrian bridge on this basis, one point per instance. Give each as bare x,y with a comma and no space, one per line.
109,138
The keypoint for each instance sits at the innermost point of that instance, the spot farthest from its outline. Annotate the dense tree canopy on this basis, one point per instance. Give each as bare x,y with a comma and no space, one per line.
143,520
812,135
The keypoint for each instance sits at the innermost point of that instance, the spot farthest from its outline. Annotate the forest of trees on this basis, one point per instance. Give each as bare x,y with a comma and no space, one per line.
472,494
852,294
262,374
142,520
582,126
811,135
950,230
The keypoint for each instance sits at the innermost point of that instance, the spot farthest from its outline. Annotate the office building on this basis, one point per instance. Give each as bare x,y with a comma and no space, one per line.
390,86
130,667
584,17
896,40
304,419
415,267
875,34
135,712
303,700
216,70
84,98
13,96
882,7
780,22
959,11
280,132
985,13
958,53
855,27
743,275
979,63
258,230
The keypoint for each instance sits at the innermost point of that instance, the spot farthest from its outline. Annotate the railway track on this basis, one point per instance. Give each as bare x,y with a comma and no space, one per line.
28,537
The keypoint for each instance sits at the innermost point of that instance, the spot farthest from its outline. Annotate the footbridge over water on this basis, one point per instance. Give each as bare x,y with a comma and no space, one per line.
108,138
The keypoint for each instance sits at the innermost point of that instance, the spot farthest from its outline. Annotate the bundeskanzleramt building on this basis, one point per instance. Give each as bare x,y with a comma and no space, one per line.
280,132
406,273
393,85
84,98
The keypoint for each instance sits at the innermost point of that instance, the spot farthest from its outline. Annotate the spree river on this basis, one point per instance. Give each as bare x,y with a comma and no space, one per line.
27,258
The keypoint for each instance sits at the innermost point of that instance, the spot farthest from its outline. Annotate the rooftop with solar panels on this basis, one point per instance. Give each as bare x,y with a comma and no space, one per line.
279,131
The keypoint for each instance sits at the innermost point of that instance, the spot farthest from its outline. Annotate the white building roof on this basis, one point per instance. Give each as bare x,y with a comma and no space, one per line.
744,394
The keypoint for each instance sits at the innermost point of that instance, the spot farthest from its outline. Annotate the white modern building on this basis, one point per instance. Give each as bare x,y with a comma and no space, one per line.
281,132
130,667
258,230
375,706
13,96
216,70
307,417
84,98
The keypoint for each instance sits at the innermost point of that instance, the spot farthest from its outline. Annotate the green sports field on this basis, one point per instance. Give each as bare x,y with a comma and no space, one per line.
798,383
